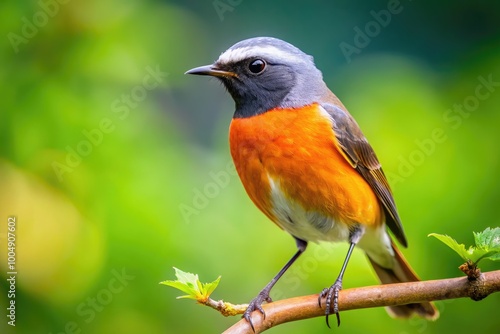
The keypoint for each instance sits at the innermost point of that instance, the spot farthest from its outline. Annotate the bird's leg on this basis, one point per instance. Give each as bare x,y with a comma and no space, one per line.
332,293
263,296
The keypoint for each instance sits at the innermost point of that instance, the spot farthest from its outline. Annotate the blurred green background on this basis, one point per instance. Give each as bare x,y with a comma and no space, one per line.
116,164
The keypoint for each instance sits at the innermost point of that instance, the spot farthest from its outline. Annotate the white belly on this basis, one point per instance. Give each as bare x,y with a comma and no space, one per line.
305,225
314,226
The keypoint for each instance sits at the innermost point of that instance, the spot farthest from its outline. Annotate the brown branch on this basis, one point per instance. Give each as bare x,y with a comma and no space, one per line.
305,307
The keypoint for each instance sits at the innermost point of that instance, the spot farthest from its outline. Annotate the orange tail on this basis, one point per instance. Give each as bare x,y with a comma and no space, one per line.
402,272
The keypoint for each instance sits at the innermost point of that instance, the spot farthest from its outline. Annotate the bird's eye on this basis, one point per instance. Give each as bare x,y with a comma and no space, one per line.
257,66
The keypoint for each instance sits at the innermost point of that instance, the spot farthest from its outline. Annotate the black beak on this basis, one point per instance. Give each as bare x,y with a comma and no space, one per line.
210,70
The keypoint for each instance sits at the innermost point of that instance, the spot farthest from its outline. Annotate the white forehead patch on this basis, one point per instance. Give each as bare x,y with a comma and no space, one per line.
267,51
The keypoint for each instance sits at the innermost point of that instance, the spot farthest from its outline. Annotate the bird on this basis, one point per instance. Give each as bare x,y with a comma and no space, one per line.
305,163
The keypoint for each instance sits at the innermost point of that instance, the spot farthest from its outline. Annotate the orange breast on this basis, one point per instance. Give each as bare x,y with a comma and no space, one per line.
297,147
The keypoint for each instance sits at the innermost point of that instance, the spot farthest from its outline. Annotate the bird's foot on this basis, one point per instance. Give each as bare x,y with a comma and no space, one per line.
256,304
331,296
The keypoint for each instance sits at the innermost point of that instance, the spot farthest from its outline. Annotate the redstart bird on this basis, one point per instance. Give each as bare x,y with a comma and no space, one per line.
307,166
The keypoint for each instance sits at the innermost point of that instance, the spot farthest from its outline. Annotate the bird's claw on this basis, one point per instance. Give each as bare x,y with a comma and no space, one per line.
256,304
331,294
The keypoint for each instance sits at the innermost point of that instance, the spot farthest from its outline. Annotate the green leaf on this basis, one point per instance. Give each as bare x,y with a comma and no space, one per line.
187,278
486,254
186,282
496,256
453,244
183,287
487,245
489,237
489,241
189,283
210,287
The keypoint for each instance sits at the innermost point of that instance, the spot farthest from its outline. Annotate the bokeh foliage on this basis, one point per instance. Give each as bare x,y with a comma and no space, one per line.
120,211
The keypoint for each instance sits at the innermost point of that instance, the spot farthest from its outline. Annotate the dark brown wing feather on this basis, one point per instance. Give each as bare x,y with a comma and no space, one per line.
362,157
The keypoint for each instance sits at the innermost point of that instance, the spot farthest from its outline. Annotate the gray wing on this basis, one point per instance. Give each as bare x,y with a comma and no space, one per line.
362,157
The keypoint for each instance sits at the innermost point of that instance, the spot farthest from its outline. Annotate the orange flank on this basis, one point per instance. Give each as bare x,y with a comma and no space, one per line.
297,149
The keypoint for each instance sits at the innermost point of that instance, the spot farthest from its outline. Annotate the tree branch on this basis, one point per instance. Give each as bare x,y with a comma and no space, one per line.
305,307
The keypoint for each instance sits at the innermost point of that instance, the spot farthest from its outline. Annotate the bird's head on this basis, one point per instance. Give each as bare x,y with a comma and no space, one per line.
264,73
